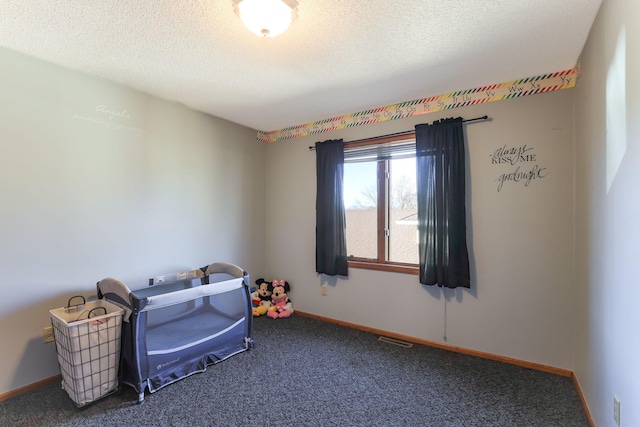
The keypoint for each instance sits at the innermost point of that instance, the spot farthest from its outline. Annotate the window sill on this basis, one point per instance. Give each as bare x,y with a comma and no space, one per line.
394,268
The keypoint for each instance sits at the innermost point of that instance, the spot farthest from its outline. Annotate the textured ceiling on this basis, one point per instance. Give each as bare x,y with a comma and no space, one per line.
338,57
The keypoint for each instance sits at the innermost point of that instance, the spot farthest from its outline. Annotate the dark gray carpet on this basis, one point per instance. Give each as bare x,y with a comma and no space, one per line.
305,372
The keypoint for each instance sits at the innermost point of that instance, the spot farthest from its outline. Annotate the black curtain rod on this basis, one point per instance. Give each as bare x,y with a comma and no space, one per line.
407,132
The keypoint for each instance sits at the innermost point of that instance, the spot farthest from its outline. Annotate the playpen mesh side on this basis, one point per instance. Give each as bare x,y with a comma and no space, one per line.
185,323
88,351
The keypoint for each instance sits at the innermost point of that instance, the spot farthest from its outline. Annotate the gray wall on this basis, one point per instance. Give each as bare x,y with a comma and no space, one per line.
521,239
100,180
607,341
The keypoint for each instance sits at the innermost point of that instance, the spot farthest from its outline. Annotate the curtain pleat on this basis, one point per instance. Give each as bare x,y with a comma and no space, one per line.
331,243
442,234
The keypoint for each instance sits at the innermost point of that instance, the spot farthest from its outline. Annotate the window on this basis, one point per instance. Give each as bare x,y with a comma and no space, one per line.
381,204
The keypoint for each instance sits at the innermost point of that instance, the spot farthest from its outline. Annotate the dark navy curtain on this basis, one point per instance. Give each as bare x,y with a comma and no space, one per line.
442,230
331,242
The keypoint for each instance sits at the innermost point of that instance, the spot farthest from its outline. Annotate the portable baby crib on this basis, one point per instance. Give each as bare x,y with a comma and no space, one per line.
181,323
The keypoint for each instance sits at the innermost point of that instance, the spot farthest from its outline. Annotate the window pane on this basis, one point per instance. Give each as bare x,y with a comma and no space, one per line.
360,200
403,209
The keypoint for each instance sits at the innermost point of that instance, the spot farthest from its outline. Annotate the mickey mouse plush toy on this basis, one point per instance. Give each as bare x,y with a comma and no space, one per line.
281,305
264,297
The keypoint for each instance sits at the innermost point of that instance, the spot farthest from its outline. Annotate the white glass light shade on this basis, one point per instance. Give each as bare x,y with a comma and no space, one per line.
266,18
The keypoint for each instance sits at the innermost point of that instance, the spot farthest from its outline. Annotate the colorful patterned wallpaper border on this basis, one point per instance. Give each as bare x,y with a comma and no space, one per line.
497,92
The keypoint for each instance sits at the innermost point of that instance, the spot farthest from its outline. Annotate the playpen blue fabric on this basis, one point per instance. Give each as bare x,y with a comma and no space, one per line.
181,323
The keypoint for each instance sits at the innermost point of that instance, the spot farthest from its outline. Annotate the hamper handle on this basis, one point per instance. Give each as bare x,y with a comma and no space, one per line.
90,313
96,308
69,306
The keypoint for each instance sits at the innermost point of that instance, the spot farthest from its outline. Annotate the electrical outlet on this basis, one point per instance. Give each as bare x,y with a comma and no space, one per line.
48,334
616,409
324,289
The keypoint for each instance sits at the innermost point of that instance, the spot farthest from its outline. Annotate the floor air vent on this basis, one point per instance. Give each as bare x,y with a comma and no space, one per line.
394,341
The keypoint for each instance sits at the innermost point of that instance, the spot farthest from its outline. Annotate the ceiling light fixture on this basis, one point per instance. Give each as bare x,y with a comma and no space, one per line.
266,18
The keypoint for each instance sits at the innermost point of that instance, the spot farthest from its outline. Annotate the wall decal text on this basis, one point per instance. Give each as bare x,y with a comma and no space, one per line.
521,157
106,117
